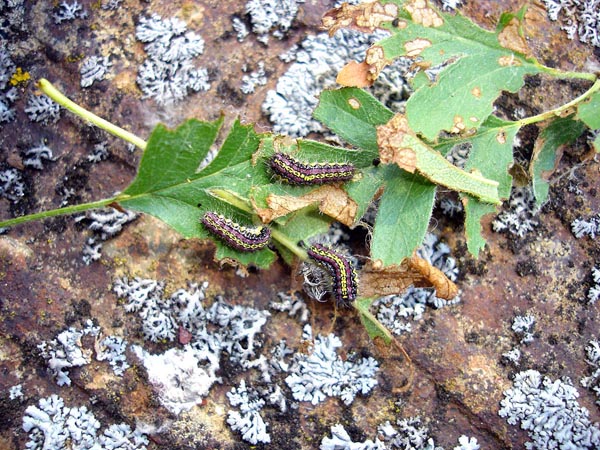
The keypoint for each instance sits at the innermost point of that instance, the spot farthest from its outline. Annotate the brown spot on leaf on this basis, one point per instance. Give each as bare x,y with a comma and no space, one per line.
416,46
459,125
354,103
476,91
333,201
511,38
379,281
423,14
509,60
501,137
354,74
375,58
390,138
365,17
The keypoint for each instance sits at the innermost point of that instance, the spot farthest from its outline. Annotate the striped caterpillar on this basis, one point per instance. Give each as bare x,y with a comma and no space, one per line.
296,172
234,235
342,272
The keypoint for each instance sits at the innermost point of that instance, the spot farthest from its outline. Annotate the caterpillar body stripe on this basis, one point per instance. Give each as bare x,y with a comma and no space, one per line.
292,171
235,235
342,272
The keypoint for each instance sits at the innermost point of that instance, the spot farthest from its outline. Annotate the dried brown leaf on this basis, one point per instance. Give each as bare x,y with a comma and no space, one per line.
333,201
510,37
354,74
376,281
365,17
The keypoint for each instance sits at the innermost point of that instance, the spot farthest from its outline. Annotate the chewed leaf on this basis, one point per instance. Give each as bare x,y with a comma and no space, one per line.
559,132
473,66
170,187
397,144
589,112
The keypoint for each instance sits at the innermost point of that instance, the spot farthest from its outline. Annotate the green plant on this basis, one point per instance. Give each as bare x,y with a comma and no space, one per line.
456,108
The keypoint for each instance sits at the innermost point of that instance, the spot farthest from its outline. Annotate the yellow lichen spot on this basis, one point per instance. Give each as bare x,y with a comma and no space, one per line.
75,58
416,46
422,14
19,77
501,137
509,60
476,92
354,104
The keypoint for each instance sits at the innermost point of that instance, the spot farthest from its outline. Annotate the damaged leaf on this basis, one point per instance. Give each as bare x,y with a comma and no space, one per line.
376,280
365,17
331,200
475,67
169,187
399,145
547,152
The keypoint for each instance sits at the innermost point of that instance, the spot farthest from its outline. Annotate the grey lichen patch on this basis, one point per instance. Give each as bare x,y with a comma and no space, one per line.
169,71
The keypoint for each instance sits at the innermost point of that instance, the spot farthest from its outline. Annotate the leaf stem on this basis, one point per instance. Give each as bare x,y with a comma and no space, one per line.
555,112
48,88
284,240
58,212
562,74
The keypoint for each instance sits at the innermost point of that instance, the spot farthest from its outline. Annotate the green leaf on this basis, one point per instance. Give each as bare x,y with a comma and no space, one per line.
561,131
589,112
475,69
432,165
403,216
169,187
491,154
374,328
474,213
353,114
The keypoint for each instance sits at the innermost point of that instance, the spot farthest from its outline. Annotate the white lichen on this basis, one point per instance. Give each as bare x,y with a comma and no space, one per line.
408,434
66,351
8,94
272,16
240,29
68,12
549,412
246,419
322,373
93,68
169,73
104,224
340,439
16,392
53,426
12,186
318,59
467,443
35,156
294,304
594,292
523,326
42,109
255,78
520,217
180,377
592,352
112,349
581,227
577,18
